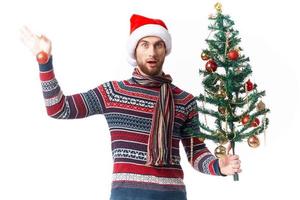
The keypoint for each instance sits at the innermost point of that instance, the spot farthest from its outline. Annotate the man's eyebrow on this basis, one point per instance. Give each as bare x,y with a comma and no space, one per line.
144,41
154,42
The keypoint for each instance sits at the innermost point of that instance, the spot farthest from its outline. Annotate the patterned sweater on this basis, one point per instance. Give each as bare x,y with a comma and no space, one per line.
128,107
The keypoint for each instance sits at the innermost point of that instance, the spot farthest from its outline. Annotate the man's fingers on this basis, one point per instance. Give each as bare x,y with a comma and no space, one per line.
235,165
234,157
235,162
23,34
27,34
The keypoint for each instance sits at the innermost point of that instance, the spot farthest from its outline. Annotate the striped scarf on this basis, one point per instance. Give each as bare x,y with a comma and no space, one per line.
159,151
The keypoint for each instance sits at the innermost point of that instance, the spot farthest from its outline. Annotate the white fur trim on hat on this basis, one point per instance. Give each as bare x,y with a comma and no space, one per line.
144,31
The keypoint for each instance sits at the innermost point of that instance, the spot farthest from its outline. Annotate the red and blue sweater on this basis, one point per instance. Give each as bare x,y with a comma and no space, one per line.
128,107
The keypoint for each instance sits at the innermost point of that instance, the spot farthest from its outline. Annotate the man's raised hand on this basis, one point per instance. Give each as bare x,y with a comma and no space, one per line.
35,43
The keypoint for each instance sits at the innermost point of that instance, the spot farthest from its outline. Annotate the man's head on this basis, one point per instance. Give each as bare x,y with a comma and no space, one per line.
148,44
150,55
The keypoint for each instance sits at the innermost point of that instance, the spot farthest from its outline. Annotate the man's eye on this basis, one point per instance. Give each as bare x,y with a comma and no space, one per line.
145,45
160,45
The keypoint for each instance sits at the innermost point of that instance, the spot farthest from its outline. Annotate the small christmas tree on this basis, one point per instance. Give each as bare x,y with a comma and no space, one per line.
230,98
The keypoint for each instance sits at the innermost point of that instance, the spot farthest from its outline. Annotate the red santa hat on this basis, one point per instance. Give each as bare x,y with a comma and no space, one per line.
141,27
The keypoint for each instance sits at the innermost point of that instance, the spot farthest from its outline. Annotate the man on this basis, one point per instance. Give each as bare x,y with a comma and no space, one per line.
147,116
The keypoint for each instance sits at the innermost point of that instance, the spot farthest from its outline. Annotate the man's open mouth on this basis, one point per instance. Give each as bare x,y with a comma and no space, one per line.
151,61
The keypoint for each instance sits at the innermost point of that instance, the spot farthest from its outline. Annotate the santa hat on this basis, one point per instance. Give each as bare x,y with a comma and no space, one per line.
141,27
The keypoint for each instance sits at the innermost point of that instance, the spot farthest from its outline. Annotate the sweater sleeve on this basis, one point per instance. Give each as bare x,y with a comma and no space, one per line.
68,107
199,155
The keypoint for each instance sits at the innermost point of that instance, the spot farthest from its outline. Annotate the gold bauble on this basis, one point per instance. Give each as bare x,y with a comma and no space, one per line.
222,137
260,106
218,7
253,141
220,151
223,140
221,93
216,133
222,110
204,56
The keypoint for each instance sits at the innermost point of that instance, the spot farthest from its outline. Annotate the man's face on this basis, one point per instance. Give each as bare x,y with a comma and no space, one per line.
150,55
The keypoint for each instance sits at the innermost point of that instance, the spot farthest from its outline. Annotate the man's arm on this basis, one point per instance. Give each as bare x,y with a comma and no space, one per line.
200,157
58,105
68,107
198,154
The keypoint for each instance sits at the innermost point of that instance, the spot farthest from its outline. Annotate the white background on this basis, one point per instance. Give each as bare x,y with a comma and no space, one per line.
46,159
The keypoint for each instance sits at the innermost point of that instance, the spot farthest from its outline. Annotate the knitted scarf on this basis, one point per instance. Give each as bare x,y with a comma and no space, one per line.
159,151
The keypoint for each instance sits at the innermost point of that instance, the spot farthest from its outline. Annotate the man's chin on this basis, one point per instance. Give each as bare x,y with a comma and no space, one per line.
151,70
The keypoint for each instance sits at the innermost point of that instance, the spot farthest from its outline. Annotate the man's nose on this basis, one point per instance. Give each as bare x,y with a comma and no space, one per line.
151,50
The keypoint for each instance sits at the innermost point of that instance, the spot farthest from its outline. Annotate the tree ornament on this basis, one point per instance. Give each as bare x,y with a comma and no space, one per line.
233,55
253,141
249,85
211,66
222,110
223,139
218,7
217,133
220,151
255,122
238,70
221,93
204,56
260,106
245,119
42,57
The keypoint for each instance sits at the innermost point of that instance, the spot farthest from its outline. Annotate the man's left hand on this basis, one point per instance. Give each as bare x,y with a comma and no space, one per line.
230,164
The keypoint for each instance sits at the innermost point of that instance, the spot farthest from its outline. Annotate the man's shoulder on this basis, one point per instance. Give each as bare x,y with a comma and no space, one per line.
182,96
117,85
115,82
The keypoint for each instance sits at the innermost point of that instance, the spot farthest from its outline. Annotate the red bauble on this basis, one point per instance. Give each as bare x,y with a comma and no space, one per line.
42,57
249,85
255,122
233,55
245,119
211,66
253,141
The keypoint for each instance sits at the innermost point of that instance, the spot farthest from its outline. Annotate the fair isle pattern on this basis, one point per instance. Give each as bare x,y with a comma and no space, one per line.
66,112
54,100
115,97
49,85
204,163
128,109
128,153
128,122
146,179
92,102
136,155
